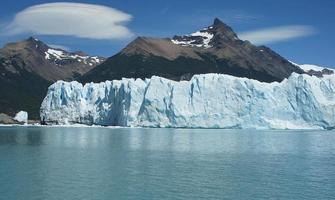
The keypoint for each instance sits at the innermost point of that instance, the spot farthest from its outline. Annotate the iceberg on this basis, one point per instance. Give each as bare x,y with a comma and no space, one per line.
206,101
21,116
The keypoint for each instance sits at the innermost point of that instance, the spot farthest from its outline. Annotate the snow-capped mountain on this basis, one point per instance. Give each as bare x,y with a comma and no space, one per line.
309,67
28,67
50,63
214,49
207,37
208,101
315,69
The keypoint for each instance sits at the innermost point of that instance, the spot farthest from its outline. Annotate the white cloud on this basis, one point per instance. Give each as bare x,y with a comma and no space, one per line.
71,19
56,46
277,34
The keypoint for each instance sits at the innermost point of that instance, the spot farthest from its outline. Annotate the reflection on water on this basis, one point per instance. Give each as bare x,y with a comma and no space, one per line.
102,163
20,136
177,140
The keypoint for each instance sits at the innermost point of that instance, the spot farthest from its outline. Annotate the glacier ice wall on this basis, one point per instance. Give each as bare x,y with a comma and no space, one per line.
207,101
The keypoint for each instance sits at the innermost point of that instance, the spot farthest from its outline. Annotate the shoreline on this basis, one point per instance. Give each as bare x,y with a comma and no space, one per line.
126,127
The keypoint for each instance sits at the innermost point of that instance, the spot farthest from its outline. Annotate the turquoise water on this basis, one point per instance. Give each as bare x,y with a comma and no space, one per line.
102,163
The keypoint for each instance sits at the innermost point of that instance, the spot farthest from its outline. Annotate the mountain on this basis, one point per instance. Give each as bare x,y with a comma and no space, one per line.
49,63
207,101
315,70
28,67
215,49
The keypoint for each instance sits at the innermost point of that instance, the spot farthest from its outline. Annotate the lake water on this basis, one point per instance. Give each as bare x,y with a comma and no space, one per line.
104,163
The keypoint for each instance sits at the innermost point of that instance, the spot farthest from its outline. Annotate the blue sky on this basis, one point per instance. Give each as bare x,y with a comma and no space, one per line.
311,20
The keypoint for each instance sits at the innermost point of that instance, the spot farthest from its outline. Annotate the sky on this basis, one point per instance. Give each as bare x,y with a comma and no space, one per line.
302,31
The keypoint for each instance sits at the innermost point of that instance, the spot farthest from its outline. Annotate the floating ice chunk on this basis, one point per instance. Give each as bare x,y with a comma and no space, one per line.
22,116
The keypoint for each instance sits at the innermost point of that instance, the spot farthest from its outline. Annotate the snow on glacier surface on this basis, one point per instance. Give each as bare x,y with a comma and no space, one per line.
206,101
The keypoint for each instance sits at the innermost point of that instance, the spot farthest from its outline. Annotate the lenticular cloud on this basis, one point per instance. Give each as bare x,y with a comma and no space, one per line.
71,19
277,34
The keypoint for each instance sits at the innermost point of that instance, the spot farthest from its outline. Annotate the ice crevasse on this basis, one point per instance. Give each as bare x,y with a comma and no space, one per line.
206,101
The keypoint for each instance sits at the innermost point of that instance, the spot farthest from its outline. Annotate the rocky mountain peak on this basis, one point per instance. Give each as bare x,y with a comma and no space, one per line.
31,45
223,31
32,40
217,22
208,37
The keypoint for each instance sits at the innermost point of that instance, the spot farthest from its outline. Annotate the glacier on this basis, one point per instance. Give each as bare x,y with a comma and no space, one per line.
206,101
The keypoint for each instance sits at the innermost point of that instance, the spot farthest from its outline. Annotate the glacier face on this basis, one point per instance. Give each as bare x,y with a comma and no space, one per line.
206,101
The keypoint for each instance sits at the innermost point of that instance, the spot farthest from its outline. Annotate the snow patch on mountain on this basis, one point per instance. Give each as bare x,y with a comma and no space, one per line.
58,55
206,101
96,59
309,67
200,38
55,53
